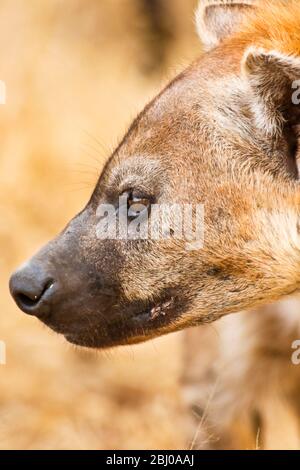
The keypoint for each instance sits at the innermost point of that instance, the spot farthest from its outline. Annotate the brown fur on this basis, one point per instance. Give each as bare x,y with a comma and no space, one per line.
274,25
239,380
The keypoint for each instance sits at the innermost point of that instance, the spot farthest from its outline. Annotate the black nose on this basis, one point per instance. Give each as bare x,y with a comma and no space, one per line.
32,289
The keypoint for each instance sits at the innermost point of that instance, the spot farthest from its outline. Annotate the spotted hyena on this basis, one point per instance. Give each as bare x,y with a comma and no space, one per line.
223,135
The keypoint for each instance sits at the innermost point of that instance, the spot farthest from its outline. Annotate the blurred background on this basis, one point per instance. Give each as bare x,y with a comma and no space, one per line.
77,72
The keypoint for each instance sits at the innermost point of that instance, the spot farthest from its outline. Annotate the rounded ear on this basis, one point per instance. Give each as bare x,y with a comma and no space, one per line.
218,19
274,81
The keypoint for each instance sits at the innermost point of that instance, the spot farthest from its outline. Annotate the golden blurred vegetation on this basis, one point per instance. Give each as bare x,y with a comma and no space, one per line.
77,72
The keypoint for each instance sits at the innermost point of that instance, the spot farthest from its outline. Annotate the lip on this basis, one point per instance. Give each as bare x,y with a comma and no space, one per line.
157,309
131,324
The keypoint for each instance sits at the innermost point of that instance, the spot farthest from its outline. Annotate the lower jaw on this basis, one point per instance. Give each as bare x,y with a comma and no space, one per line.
136,333
158,319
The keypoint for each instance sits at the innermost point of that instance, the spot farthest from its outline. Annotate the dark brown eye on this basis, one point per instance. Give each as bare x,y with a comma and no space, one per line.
137,204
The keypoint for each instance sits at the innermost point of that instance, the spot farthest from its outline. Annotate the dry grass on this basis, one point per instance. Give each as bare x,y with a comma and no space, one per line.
74,81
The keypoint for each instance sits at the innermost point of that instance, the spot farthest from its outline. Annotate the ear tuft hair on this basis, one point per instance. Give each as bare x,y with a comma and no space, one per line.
218,19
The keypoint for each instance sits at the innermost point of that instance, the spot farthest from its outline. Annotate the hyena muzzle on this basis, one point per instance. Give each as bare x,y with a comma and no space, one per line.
223,134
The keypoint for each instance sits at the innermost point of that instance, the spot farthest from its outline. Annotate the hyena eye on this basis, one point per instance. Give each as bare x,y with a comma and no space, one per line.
137,204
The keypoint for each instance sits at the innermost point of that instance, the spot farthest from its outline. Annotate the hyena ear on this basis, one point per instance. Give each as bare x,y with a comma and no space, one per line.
274,79
218,19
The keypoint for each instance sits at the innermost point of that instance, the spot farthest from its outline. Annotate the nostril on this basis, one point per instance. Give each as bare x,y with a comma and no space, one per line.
30,299
31,291
25,300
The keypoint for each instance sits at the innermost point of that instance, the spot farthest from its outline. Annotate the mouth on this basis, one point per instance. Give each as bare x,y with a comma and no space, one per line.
130,325
157,310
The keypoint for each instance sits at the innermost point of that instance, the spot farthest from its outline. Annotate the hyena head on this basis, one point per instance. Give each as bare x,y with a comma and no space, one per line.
221,137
